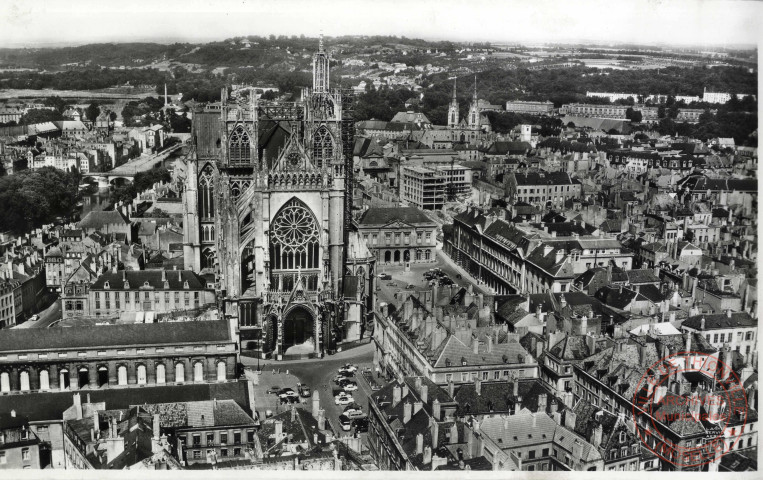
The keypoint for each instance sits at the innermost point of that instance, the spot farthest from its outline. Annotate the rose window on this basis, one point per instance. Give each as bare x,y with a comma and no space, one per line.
294,238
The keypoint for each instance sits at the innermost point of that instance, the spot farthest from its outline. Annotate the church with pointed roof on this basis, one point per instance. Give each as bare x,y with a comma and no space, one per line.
267,216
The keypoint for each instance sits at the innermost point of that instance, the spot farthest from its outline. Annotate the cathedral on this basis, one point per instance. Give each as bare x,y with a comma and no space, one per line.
471,129
267,214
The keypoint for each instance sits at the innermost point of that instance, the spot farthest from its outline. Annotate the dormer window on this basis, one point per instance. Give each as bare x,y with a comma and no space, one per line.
127,285
106,284
166,285
146,284
185,285
463,360
622,437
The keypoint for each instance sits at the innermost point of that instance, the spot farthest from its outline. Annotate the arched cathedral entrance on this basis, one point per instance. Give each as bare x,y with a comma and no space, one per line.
299,330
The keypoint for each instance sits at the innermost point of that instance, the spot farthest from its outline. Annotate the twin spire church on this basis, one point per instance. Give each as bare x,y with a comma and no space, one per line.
268,217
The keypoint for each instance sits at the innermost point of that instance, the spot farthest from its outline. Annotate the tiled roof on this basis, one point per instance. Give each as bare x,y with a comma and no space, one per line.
544,178
721,321
455,352
51,405
12,340
97,219
499,396
383,216
206,413
136,279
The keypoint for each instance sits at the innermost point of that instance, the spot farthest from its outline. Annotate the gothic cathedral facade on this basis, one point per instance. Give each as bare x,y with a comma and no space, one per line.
267,216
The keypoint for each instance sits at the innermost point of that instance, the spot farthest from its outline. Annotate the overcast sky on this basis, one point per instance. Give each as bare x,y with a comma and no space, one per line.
682,22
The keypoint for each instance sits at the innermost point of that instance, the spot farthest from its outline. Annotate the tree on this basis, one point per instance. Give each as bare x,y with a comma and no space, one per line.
112,116
36,115
92,111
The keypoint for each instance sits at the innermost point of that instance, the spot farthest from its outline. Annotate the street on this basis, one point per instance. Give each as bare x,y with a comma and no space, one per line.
47,317
318,375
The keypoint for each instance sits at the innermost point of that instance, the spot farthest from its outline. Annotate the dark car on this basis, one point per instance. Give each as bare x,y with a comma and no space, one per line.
385,276
360,424
345,422
275,389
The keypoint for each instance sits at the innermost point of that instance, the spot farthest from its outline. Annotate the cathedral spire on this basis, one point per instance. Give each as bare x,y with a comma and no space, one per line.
474,97
454,90
320,69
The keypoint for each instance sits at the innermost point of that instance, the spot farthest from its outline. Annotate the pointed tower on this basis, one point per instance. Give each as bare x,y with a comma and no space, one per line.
165,95
474,110
320,69
453,109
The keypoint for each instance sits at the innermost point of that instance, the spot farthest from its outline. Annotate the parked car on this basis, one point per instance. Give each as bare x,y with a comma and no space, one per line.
360,424
458,275
350,387
288,391
346,373
274,389
385,276
34,318
410,286
375,386
341,377
392,284
304,390
350,367
343,399
345,381
345,422
354,414
353,407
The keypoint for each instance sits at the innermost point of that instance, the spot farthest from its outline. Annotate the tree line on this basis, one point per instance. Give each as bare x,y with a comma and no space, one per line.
29,199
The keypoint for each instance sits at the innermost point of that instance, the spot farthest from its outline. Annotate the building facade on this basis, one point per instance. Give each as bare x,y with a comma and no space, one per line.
266,212
399,235
115,356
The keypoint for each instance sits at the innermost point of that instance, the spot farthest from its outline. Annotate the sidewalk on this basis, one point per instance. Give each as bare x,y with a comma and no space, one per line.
464,274
343,355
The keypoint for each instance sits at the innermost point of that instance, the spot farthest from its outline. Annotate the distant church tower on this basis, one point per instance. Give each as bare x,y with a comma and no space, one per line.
474,110
453,109
266,204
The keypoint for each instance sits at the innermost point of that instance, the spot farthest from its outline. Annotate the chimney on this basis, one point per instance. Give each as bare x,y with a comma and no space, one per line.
96,421
293,413
435,428
489,343
316,403
321,420
404,390
478,387
559,255
416,407
570,418
535,420
728,313
427,455
475,345
436,412
454,433
688,342
542,403
156,426
419,444
78,406
659,392
515,388
424,393
450,388
596,435
407,407
278,424
396,394
702,324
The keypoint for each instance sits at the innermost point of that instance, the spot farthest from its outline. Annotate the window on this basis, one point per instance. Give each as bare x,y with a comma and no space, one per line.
237,452
196,454
496,375
223,438
748,336
531,454
25,454
224,452
237,437
484,375
545,452
196,439
448,377
715,338
239,147
210,439
3,460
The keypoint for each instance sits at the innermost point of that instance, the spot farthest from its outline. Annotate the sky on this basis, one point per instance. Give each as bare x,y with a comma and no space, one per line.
676,22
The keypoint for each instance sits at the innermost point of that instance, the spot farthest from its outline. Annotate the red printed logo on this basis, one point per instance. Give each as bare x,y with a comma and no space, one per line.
690,409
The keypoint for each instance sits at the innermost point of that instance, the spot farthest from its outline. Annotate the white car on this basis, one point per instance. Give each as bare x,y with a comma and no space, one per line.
352,415
343,399
350,387
349,368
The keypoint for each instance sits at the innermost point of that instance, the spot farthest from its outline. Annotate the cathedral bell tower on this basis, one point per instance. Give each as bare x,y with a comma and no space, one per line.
453,109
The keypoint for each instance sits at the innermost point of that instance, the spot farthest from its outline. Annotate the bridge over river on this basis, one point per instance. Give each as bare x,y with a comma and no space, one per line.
131,168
